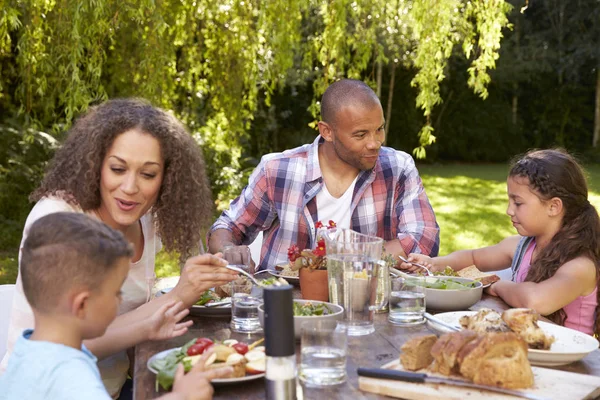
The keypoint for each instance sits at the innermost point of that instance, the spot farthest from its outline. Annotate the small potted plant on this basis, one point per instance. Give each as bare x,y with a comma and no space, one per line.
312,267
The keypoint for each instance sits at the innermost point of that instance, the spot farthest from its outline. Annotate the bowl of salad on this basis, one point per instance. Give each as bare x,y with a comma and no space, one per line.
308,310
449,293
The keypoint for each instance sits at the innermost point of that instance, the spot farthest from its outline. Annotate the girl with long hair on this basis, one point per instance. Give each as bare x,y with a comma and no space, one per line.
555,259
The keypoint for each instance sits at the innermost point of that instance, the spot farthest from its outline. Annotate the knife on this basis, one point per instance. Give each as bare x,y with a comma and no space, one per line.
438,321
416,377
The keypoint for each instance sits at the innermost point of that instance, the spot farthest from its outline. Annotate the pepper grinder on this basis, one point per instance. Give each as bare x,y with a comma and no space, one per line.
280,343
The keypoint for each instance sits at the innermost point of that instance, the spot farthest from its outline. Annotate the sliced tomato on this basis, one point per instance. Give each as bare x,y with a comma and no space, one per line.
204,340
197,348
241,348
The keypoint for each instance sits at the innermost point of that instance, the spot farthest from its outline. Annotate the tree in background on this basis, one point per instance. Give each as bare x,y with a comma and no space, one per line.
216,64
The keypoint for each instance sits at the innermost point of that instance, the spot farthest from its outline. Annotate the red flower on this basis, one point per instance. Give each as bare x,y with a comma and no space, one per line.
293,253
318,225
319,251
332,224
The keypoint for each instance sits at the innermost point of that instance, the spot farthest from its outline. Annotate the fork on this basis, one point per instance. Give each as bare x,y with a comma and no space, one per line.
253,279
416,265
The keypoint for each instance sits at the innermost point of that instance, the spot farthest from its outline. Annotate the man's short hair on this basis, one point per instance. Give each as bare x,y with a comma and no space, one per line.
343,93
66,250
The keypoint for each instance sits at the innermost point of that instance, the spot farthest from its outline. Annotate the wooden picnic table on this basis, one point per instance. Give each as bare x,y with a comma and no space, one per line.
364,351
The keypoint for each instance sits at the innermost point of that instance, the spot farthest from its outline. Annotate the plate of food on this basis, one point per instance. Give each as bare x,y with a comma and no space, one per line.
549,344
211,304
247,360
471,272
284,271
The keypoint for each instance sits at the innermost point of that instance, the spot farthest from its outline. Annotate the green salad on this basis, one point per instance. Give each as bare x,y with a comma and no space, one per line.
446,284
310,309
207,297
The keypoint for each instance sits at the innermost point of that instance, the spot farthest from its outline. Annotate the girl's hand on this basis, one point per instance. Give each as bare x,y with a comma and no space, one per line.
195,385
491,290
419,259
164,323
201,273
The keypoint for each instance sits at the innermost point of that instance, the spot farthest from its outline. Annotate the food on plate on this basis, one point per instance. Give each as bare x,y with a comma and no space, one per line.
523,321
208,296
273,280
448,271
497,359
473,272
416,352
243,358
486,320
445,351
494,359
225,290
286,270
311,309
445,284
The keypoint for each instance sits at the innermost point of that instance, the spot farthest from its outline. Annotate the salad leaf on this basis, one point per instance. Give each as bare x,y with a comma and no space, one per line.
310,309
446,284
207,297
167,366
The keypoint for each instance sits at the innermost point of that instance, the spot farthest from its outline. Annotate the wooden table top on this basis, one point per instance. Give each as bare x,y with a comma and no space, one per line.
364,351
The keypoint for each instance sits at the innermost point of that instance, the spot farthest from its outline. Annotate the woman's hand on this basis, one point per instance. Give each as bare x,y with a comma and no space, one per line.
195,385
491,290
164,323
201,273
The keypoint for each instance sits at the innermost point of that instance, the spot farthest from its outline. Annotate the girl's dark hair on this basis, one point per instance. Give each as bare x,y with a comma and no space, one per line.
555,173
184,203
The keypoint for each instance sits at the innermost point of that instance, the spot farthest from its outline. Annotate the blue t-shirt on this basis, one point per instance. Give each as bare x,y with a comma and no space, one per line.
45,370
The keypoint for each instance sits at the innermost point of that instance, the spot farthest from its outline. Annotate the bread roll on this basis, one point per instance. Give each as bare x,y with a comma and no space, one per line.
497,359
416,353
486,320
446,349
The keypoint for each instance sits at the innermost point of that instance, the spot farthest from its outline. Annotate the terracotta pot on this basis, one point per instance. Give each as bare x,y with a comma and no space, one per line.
313,284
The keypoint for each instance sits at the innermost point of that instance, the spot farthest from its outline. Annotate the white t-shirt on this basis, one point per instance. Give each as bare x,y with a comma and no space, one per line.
136,291
336,209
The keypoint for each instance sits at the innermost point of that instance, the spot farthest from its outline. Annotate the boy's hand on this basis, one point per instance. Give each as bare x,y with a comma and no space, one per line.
164,323
195,385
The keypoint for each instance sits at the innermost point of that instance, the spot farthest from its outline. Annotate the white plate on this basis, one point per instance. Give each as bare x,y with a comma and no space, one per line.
570,345
226,381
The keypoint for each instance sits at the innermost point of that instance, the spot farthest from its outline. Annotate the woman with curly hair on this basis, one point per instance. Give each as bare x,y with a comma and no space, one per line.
135,168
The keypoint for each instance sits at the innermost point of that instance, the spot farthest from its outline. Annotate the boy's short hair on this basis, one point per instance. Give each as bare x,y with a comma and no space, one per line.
66,250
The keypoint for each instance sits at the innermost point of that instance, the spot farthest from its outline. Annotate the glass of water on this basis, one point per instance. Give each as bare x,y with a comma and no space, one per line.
245,299
323,353
407,302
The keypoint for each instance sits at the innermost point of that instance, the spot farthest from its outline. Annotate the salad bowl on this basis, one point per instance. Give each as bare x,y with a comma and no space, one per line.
450,293
311,310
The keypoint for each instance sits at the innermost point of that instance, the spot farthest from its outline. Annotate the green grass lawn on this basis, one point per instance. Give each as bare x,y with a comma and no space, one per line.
469,201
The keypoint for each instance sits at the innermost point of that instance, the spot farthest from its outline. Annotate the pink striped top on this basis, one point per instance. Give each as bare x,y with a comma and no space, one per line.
581,312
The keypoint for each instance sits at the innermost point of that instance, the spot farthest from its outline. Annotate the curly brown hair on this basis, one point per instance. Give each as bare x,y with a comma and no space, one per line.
555,173
184,204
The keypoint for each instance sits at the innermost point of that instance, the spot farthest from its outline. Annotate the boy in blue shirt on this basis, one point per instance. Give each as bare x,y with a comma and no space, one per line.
72,269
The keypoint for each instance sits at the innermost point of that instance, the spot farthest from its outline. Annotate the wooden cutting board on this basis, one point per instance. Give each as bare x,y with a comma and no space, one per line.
549,383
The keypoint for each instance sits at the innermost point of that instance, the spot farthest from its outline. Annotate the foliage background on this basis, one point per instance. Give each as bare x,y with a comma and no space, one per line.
246,76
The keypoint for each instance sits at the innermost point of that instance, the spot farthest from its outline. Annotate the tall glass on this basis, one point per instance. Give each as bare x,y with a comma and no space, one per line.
355,274
407,302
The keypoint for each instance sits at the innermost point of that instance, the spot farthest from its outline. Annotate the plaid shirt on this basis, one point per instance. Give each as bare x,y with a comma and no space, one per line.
388,201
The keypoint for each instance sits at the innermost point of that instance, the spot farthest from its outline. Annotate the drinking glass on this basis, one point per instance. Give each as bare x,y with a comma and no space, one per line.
407,302
355,273
245,297
323,353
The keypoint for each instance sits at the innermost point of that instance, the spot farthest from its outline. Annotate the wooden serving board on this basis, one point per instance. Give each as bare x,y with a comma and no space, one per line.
549,383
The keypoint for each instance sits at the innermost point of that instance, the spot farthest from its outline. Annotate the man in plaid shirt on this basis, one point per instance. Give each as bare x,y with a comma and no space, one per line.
344,175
